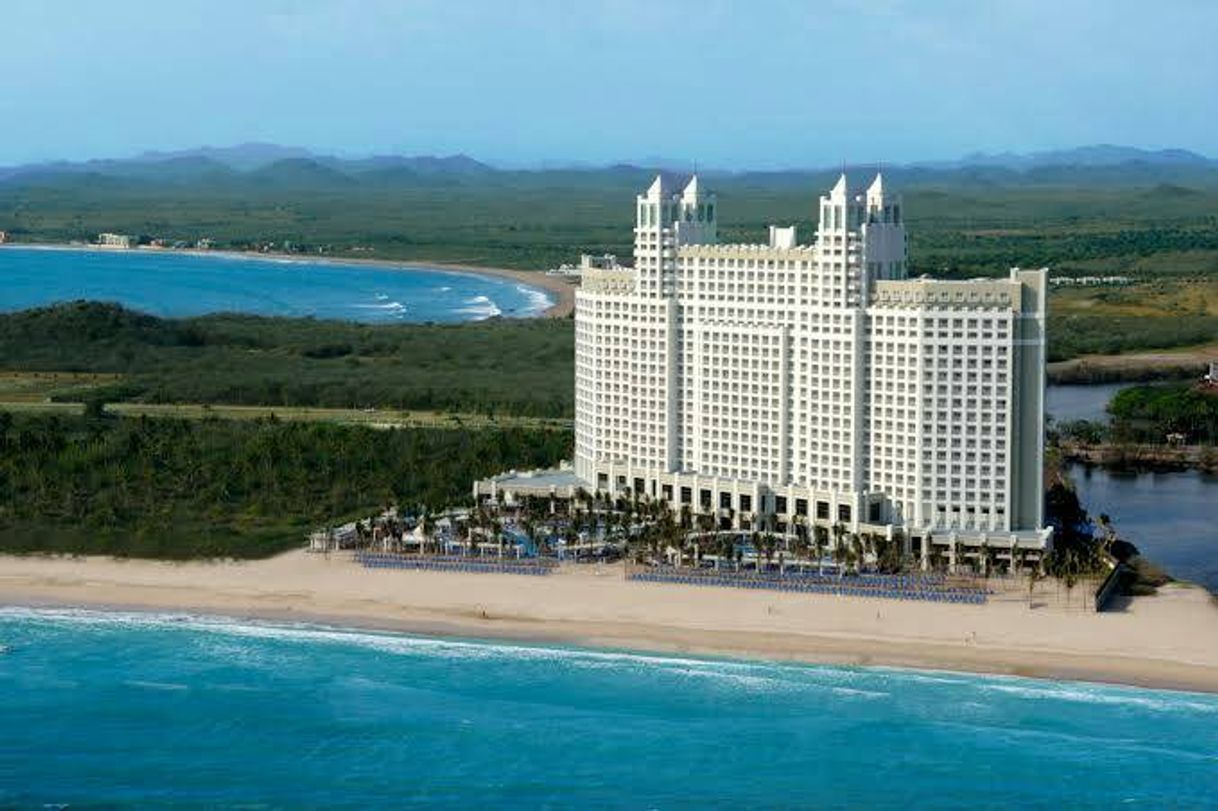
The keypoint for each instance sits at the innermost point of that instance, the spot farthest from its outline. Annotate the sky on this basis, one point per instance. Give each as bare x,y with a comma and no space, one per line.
749,84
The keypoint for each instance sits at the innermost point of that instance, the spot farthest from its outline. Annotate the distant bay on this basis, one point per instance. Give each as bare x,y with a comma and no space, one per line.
176,284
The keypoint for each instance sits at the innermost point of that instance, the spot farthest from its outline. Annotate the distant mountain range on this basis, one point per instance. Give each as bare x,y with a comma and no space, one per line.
272,166
1095,155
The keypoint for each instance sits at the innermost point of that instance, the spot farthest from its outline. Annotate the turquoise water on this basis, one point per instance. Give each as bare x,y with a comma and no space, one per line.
178,284
137,710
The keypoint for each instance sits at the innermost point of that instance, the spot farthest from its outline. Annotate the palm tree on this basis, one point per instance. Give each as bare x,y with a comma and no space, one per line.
800,547
838,550
800,525
820,537
839,557
424,521
1034,575
866,546
686,516
1109,532
726,547
674,537
899,543
858,551
766,545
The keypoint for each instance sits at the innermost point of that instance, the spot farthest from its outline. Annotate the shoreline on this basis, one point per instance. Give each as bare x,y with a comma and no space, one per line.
1139,458
560,292
1176,633
1135,366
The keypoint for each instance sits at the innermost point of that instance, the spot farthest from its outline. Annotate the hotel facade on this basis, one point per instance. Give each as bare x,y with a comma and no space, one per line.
783,384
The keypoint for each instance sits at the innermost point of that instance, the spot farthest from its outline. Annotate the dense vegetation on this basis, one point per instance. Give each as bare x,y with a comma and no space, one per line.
183,489
518,367
176,489
1076,549
505,367
1150,413
1145,222
1130,219
1073,335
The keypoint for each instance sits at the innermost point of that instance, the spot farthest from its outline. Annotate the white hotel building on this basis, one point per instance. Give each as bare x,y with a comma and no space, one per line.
780,383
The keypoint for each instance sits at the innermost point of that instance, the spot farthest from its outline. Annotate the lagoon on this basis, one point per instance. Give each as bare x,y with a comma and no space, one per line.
1168,515
176,284
1080,401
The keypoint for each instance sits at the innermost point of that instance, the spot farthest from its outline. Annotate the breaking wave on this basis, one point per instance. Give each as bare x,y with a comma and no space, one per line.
480,308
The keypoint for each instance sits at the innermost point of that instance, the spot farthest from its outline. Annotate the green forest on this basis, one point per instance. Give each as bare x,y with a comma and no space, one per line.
170,488
180,489
965,222
1150,413
1156,225
498,367
520,367
1071,335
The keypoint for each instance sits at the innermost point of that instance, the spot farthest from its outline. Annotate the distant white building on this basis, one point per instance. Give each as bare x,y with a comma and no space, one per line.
123,241
782,384
587,261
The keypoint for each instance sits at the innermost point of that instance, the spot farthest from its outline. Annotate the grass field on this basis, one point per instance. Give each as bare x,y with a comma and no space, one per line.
369,417
42,387
1152,299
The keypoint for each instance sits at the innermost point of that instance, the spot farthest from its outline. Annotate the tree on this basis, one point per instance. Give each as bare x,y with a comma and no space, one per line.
839,548
1034,576
768,543
820,537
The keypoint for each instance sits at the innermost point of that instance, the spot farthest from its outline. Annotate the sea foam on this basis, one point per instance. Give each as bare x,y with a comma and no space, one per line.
480,307
538,300
280,714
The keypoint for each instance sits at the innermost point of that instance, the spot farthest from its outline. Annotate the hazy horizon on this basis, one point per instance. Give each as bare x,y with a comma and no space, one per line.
652,162
776,85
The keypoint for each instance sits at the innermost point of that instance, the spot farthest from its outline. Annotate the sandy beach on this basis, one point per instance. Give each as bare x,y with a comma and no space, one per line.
561,291
1166,641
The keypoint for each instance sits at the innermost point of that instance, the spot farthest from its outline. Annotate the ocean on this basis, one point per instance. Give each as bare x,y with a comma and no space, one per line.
126,710
172,284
